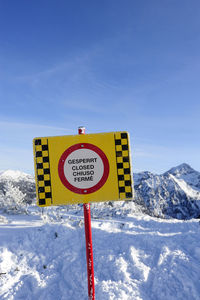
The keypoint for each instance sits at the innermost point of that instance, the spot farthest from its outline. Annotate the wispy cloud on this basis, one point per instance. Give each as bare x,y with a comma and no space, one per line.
65,66
22,125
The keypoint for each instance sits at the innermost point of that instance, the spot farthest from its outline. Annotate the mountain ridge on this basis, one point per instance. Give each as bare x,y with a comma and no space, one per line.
173,194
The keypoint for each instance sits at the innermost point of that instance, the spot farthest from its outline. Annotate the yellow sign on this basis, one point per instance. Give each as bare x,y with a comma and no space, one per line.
82,168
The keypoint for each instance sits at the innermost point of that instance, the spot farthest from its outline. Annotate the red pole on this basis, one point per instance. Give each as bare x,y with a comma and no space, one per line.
88,243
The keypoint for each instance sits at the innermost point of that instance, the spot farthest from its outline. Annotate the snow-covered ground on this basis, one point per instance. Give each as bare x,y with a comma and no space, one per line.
42,256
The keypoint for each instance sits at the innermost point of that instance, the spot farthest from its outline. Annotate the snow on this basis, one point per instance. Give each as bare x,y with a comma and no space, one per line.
186,173
42,256
14,175
136,256
190,191
176,193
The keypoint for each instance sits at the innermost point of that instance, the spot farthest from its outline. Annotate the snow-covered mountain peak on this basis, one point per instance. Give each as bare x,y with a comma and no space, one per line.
176,193
141,176
186,173
180,170
15,175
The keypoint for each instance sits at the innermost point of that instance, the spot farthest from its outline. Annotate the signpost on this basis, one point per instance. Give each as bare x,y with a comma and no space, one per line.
88,238
83,168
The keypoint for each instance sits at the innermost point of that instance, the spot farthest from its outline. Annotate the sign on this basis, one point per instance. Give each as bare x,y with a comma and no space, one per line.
82,168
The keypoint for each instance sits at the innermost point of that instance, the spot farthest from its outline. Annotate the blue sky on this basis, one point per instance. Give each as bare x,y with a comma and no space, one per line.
108,65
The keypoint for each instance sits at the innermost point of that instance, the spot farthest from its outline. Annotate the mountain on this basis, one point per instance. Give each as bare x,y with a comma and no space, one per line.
186,173
18,181
173,194
176,193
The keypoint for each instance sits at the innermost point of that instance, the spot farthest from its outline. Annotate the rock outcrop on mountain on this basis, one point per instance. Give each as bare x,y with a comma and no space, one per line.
176,193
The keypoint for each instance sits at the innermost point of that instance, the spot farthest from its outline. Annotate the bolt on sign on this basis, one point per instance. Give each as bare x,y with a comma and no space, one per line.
83,168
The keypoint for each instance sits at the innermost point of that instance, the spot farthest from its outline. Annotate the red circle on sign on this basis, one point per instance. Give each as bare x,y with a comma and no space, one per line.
75,189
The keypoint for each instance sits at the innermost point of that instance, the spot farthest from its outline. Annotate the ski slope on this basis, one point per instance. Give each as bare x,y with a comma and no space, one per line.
42,256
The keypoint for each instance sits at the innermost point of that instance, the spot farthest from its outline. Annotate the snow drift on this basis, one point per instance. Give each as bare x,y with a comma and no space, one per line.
138,257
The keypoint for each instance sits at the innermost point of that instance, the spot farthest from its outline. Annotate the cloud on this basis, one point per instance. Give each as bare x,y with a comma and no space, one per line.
72,66
6,125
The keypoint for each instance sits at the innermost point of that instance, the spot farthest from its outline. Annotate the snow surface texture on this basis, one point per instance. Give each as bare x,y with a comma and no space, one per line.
42,256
